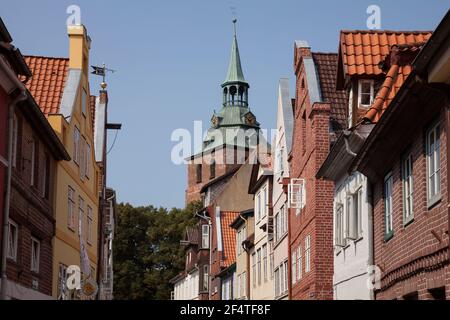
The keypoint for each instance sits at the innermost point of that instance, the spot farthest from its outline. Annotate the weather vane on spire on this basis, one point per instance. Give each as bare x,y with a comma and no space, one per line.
233,12
101,71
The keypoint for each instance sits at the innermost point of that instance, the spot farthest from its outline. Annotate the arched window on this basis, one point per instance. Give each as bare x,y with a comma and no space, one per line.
233,92
212,169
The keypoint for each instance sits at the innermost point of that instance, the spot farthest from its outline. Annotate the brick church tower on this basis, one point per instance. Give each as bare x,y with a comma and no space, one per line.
234,132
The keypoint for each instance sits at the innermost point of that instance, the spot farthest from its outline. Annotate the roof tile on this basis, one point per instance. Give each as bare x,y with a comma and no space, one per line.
228,237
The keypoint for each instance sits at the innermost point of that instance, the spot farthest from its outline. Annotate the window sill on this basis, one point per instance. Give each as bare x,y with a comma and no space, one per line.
388,236
431,203
408,222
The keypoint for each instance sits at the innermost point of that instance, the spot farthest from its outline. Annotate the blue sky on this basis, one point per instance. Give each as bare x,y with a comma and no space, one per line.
172,56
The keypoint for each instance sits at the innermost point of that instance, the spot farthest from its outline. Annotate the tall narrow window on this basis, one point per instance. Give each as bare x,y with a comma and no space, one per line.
90,222
46,177
277,282
205,236
277,227
199,173
87,159
212,169
354,207
15,140
307,254
205,277
388,211
258,252
254,269
35,254
286,280
299,263
80,217
294,267
434,164
258,206
264,203
33,158
13,238
265,265
76,145
407,177
71,208
339,226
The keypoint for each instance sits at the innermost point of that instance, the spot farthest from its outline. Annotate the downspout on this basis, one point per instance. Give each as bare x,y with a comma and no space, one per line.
370,234
21,97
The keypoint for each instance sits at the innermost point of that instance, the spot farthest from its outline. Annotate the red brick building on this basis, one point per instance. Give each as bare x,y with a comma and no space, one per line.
319,115
35,148
405,158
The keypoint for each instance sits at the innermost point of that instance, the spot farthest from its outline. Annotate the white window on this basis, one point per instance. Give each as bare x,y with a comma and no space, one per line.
339,226
71,208
205,278
284,221
76,145
365,93
264,253
434,164
277,227
13,238
407,177
87,158
33,162
80,217
299,263
388,211
205,236
277,282
35,254
307,254
82,158
297,194
15,140
271,260
294,267
354,215
254,270
264,203
258,206
90,219
286,278
258,253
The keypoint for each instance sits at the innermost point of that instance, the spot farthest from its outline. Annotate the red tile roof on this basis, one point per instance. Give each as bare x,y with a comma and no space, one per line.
326,64
48,81
228,238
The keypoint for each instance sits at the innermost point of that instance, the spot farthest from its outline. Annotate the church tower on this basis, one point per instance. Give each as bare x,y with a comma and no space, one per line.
234,131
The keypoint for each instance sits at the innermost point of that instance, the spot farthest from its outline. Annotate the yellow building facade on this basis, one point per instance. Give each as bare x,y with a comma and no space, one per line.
77,187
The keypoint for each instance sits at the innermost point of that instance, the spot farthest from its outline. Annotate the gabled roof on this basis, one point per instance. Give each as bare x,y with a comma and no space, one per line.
361,51
327,65
48,81
286,109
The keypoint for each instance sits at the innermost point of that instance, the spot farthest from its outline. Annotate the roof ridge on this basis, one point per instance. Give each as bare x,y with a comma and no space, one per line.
44,57
386,31
325,53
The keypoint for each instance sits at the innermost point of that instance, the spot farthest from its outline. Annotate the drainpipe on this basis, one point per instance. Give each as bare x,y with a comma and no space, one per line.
21,97
370,233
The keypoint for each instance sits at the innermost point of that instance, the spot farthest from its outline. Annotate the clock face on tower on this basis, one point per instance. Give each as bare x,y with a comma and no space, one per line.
215,121
250,119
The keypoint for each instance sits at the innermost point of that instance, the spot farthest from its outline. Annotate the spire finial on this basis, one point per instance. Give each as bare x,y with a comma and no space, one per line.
234,26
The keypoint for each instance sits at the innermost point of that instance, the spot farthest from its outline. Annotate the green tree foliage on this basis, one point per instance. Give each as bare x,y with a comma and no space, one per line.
147,251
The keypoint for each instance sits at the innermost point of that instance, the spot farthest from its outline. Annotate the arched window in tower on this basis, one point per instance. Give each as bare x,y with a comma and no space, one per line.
241,95
212,169
225,93
233,92
199,173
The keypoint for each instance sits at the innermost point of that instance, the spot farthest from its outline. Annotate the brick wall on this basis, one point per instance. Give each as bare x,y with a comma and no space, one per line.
413,260
310,148
32,212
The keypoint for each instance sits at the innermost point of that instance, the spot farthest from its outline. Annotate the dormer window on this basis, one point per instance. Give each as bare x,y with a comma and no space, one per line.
365,93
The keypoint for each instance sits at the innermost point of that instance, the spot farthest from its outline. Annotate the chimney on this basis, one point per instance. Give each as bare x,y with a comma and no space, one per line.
79,46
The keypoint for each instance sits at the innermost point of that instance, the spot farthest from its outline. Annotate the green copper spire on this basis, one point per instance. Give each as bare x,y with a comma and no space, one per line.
235,73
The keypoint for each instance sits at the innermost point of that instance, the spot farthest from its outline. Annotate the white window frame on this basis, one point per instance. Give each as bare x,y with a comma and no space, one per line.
259,267
353,215
71,208
294,267
13,240
35,256
308,254
265,202
408,188
90,223
433,149
339,238
299,263
205,236
350,108
87,159
76,145
372,93
277,282
388,204
297,194
265,264
254,269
